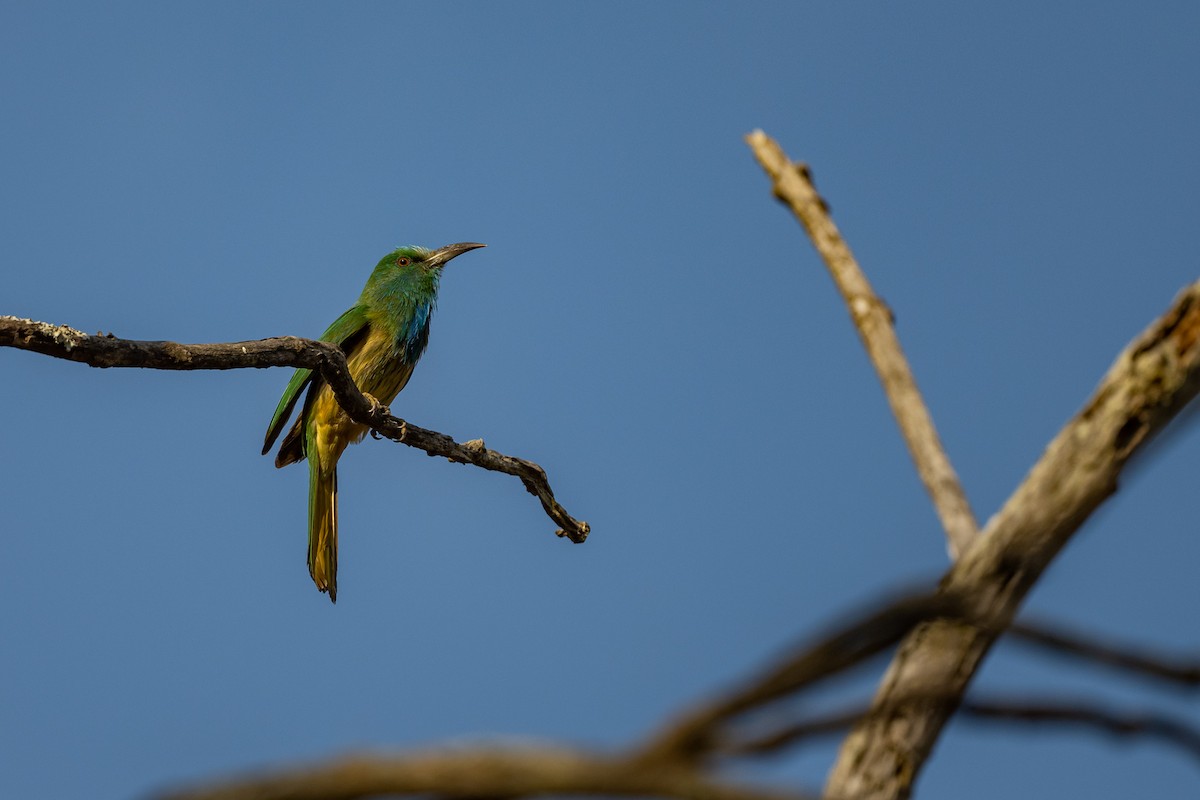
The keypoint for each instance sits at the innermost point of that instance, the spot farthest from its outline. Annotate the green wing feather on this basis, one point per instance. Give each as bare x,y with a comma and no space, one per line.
346,332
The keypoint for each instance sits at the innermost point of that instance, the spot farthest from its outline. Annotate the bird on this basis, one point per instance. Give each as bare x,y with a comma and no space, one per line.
383,336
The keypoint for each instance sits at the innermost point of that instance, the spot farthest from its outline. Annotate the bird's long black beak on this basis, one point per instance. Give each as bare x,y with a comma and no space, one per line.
439,257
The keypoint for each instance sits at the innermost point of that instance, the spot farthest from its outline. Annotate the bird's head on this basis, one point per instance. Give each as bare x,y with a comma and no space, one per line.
420,258
415,270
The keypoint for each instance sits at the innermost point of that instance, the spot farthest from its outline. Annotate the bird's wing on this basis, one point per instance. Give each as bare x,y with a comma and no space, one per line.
346,332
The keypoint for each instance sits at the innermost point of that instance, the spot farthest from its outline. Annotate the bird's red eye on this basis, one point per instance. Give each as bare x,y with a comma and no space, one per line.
403,261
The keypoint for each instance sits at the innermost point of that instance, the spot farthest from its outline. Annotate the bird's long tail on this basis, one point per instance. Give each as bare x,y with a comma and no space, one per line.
322,525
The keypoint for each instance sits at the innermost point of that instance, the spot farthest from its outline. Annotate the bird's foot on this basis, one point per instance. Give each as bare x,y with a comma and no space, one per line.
376,406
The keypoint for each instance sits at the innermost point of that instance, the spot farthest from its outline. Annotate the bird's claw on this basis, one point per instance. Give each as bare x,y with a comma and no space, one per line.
376,406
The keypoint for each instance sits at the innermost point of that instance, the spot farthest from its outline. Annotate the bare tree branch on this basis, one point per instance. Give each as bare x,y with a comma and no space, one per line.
1151,381
793,186
483,772
67,343
1123,657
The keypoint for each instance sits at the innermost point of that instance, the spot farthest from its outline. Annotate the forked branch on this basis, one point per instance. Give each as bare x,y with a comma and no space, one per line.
1151,382
1148,385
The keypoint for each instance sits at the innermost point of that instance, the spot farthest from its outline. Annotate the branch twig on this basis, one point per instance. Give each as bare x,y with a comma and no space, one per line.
794,187
67,343
1167,729
1176,670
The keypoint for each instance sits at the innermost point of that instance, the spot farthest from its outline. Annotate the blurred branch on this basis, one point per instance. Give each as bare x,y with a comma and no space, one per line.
484,772
1121,657
60,341
1150,382
702,731
1079,713
668,765
794,187
1167,729
674,763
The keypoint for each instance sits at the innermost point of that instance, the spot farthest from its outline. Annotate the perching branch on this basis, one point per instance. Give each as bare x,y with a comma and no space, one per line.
794,187
60,341
1150,382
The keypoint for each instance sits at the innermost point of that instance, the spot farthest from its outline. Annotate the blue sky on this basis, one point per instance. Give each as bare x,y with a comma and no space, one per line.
647,323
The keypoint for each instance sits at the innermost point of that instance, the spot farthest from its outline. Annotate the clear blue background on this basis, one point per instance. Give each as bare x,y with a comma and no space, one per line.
647,323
